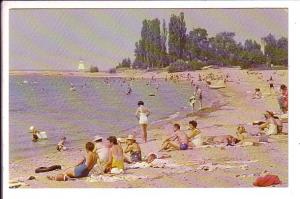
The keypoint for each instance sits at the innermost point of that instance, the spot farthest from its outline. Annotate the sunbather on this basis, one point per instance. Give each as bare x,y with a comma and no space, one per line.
178,141
241,132
134,149
102,152
194,135
115,156
270,125
220,139
82,169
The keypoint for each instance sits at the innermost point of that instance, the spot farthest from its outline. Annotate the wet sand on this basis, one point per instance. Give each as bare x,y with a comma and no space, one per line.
238,108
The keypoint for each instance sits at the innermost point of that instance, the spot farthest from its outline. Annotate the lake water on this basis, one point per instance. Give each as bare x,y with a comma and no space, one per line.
95,108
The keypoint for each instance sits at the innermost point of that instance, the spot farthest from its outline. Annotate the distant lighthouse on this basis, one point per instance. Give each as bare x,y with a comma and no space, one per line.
81,66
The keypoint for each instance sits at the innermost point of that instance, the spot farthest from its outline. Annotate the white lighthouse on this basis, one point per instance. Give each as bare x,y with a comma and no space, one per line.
81,66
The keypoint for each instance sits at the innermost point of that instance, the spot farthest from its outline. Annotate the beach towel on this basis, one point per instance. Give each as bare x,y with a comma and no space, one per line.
116,178
46,169
267,180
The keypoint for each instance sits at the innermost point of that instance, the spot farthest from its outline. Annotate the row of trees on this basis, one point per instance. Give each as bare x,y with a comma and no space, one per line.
195,46
126,63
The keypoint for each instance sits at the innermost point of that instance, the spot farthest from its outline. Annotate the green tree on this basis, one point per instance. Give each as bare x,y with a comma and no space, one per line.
177,37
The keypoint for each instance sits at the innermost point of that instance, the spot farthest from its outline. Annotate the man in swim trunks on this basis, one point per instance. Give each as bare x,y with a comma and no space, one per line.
178,141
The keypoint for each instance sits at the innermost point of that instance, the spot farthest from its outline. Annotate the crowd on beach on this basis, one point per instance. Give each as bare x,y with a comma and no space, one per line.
110,155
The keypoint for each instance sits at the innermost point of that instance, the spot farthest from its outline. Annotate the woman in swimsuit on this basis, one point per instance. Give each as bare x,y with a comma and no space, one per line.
134,149
142,114
270,126
82,169
115,155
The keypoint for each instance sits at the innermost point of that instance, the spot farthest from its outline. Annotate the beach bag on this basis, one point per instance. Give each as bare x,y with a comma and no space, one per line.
267,180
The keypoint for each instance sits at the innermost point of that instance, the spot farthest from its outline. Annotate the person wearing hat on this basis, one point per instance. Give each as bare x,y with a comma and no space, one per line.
270,126
102,151
133,149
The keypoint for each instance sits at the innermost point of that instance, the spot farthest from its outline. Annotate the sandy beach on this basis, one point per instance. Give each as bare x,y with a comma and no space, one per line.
230,166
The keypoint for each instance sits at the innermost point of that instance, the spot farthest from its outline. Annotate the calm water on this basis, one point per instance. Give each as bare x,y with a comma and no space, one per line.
94,108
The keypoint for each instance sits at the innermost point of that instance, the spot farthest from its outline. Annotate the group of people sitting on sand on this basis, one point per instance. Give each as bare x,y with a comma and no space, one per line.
110,156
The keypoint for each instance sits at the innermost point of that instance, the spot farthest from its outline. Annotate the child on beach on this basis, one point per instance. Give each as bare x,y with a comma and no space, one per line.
115,162
34,132
257,94
133,149
61,145
142,114
82,169
271,84
178,141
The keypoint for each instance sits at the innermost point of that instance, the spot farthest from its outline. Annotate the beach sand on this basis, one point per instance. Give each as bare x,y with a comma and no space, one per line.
237,108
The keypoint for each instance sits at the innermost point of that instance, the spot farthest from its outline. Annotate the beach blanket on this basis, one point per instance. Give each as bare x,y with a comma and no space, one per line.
115,178
157,163
215,166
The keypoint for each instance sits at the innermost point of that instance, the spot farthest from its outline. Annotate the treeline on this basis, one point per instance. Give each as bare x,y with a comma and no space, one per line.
160,47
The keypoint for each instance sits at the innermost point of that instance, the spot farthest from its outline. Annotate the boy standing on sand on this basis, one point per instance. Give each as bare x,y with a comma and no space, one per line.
178,141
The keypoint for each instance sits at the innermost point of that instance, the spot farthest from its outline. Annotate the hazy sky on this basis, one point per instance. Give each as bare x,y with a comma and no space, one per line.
55,39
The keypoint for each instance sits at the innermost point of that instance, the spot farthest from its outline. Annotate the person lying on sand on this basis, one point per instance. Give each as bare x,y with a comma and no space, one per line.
152,156
228,140
178,141
115,156
133,149
82,169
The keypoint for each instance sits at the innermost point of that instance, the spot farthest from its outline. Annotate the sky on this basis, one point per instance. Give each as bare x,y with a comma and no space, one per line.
56,39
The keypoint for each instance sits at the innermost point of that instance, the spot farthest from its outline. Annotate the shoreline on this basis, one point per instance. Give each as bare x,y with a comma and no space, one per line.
272,156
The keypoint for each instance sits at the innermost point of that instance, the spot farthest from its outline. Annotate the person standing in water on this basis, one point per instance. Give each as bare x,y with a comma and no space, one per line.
142,114
192,101
271,84
199,95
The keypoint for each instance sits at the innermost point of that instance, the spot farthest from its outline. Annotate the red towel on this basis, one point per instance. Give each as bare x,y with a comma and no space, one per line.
267,180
